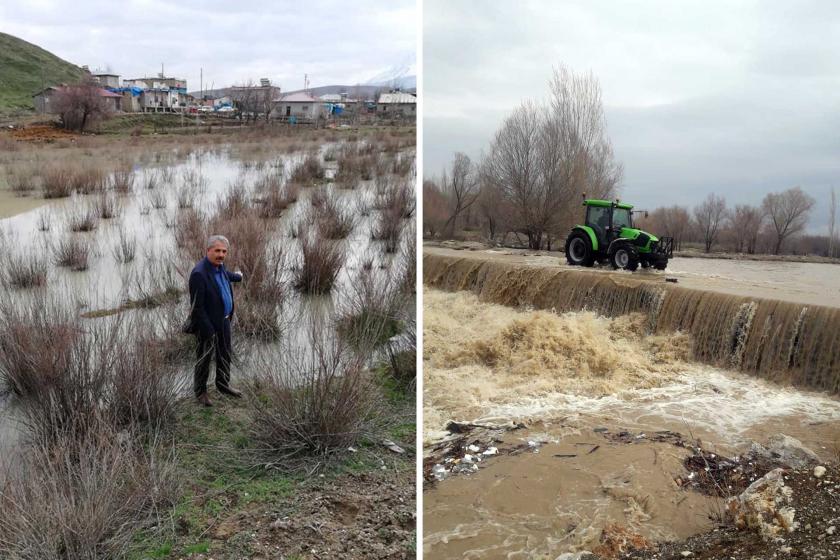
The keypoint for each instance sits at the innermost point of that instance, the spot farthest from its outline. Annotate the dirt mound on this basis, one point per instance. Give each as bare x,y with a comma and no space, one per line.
42,133
816,503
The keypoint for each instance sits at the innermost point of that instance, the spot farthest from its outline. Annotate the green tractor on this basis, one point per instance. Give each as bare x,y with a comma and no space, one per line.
608,235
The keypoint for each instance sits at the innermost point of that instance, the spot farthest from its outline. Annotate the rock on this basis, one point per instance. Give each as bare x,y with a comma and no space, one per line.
761,507
830,530
787,450
819,471
281,524
686,553
392,446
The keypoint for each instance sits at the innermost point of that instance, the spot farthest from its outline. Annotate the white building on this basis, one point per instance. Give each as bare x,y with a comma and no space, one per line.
298,105
397,104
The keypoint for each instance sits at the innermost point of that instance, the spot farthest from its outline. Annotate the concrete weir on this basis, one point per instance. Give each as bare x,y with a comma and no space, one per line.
789,343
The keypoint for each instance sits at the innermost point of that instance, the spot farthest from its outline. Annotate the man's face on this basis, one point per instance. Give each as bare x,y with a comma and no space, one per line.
217,253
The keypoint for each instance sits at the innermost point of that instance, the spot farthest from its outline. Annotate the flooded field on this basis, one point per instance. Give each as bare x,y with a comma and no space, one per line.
98,247
599,401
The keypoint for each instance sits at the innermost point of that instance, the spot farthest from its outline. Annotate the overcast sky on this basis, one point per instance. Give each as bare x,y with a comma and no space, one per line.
234,41
736,97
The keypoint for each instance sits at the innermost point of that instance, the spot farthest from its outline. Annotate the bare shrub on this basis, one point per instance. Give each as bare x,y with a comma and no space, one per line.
322,261
402,165
125,248
234,202
314,403
21,270
72,252
84,497
57,182
186,196
308,171
73,375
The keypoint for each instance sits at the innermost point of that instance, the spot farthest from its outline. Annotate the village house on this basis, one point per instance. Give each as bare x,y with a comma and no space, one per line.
44,100
255,98
158,94
107,80
396,104
297,106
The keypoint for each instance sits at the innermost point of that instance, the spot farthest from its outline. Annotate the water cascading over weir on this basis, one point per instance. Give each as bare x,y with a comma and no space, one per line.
789,343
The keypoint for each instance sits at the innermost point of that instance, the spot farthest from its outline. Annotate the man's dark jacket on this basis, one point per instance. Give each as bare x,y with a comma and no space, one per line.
207,314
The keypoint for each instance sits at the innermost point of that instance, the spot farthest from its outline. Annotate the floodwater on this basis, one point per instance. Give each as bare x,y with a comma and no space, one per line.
149,216
564,376
806,283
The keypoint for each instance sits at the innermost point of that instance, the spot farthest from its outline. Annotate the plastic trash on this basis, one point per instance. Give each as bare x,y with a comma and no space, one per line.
474,448
490,451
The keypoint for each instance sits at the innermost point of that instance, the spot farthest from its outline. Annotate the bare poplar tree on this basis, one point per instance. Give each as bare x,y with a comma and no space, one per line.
461,188
544,156
832,223
787,213
745,224
709,216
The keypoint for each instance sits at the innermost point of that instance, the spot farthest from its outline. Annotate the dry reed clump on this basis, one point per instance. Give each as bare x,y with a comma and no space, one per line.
308,172
322,261
151,181
370,313
89,178
402,165
190,233
311,404
72,252
157,199
395,201
82,218
23,270
83,497
122,180
44,219
107,207
125,247
57,181
331,220
22,178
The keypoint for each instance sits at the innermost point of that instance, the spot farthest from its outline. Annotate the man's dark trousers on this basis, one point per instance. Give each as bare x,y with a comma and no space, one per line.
220,346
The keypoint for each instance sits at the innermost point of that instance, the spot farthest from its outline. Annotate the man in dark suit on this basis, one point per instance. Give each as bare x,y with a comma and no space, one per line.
211,298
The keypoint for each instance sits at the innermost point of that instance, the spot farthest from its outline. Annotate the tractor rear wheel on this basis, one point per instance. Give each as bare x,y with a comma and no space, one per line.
579,249
624,256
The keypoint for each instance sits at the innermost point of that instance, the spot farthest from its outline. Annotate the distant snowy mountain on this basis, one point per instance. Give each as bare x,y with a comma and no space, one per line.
403,76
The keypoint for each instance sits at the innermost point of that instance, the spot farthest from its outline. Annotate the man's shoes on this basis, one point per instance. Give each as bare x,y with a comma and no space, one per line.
204,399
230,392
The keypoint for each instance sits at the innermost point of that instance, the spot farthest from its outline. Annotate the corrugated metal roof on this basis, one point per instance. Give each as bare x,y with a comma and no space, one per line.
397,97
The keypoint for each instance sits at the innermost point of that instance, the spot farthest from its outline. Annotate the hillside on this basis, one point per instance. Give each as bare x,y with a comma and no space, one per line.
24,68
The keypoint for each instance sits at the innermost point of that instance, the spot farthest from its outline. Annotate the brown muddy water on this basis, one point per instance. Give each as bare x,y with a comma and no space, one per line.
198,180
568,377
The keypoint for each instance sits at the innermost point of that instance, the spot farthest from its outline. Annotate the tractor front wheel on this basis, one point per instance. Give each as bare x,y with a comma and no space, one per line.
624,256
579,250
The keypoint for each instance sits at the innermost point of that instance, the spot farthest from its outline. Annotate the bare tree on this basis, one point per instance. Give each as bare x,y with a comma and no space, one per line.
787,213
745,224
709,216
512,167
674,222
461,188
434,209
544,156
832,222
79,105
